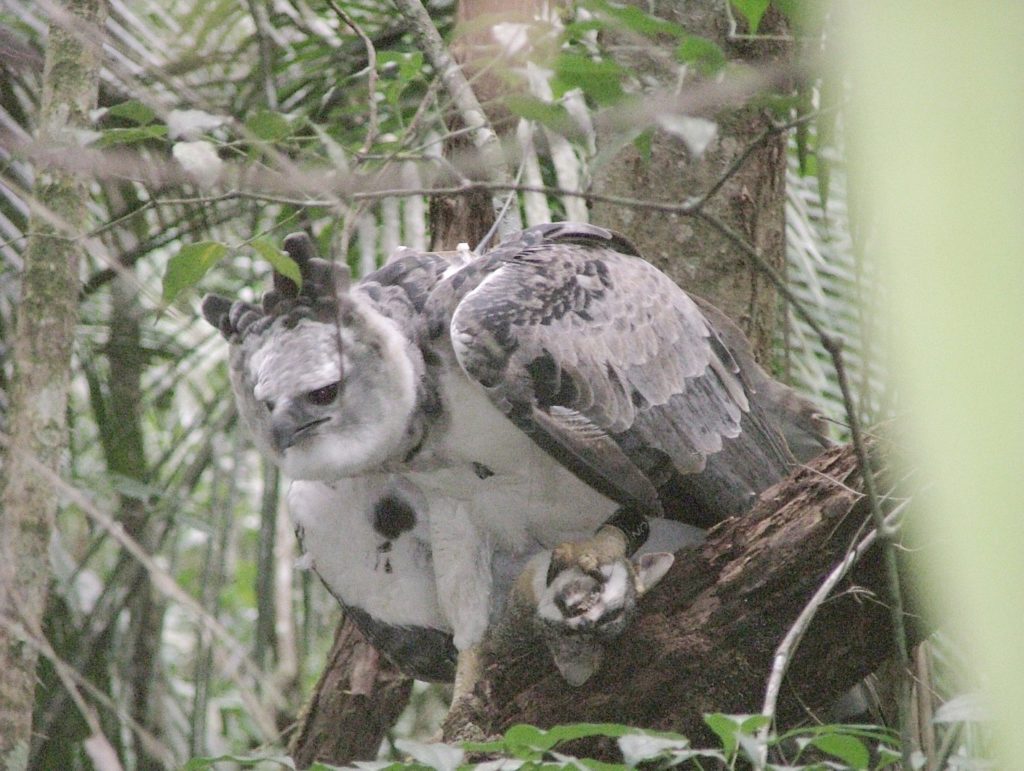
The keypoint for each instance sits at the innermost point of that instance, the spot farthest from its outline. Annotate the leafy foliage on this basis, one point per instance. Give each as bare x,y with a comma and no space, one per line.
314,128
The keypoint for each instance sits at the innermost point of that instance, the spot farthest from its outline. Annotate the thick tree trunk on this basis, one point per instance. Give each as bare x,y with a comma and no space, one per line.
42,354
358,698
751,202
706,636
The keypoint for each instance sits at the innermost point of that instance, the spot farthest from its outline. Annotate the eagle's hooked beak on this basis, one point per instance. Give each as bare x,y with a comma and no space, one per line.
289,423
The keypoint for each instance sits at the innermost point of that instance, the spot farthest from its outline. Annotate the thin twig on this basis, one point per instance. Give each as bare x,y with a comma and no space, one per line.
787,648
834,345
372,126
697,203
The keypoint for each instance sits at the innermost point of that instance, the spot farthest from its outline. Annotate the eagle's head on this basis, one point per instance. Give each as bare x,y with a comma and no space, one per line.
325,383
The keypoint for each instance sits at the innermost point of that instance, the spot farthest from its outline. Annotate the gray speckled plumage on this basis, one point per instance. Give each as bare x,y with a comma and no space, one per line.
646,395
584,344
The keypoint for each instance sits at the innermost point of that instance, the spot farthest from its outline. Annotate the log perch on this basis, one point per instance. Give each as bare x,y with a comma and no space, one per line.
706,635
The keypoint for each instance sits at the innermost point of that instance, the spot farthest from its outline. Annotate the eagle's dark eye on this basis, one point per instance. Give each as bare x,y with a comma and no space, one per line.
323,396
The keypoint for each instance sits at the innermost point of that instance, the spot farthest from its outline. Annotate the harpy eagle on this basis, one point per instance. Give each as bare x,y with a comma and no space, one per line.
555,387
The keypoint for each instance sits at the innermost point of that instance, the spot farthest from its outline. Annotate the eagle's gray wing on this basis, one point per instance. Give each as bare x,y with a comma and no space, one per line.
800,420
608,365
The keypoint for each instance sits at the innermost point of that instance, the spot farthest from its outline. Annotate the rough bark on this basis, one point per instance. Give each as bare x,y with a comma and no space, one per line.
689,250
42,353
358,698
706,636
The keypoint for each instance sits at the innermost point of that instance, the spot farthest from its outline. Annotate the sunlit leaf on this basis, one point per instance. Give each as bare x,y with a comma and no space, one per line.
188,266
696,133
190,124
134,111
269,126
638,747
848,749
200,160
752,11
441,757
129,136
962,708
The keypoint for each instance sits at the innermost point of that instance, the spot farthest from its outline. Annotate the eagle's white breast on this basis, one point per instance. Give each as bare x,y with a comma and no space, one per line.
513,490
392,579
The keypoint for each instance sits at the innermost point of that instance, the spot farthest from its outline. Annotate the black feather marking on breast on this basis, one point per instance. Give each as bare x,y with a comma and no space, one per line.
393,516
384,550
481,471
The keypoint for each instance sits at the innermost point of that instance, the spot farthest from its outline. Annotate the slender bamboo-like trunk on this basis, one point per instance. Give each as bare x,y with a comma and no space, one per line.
37,431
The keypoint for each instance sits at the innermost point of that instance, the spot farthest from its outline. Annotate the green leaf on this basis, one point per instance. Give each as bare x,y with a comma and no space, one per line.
824,180
553,116
867,732
127,136
526,741
805,104
573,731
599,79
848,749
725,727
702,53
637,20
134,111
804,18
269,126
730,727
752,11
278,259
409,64
642,143
188,266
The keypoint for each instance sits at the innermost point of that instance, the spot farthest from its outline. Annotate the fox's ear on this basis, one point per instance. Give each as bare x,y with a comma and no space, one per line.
651,568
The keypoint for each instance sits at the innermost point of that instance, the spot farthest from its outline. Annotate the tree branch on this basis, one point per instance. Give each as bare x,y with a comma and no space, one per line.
707,636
